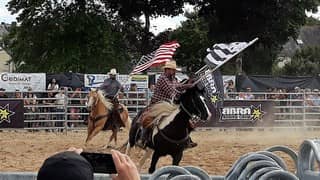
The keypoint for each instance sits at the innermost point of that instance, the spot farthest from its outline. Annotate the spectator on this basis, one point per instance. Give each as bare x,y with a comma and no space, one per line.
30,100
60,96
241,96
17,94
248,95
75,101
53,85
70,165
52,89
2,93
316,97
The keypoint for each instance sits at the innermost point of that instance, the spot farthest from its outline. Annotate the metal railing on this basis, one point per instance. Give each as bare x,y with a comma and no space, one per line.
63,110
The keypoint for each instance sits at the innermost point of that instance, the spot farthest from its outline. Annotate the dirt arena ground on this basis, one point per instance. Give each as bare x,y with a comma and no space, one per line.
217,150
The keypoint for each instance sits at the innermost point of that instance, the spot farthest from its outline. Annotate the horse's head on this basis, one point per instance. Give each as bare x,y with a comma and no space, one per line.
92,98
194,102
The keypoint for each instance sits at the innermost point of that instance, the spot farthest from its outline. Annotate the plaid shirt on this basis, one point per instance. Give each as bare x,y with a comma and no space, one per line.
166,89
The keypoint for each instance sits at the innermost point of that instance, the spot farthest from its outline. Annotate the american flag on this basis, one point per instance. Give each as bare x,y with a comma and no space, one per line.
163,54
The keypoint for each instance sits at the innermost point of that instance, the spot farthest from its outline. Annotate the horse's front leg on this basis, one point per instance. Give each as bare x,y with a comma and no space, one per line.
154,161
177,158
113,136
146,155
97,127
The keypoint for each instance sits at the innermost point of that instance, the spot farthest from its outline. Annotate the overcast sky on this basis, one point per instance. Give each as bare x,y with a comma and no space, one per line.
157,25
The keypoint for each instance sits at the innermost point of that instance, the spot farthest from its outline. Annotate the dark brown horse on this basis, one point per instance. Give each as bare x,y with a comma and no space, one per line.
101,116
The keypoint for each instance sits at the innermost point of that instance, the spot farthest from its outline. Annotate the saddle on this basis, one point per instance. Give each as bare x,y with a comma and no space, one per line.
156,113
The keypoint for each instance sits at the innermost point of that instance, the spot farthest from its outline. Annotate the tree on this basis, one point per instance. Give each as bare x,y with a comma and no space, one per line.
192,36
305,62
65,36
133,10
270,20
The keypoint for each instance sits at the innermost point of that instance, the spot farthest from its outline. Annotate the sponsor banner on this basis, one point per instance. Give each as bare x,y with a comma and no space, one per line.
140,80
11,114
239,113
23,81
95,80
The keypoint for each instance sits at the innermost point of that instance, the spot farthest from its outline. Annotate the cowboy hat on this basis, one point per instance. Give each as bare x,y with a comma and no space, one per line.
113,71
170,65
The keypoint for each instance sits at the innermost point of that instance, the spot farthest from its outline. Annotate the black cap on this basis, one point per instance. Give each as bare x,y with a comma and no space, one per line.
66,166
1,89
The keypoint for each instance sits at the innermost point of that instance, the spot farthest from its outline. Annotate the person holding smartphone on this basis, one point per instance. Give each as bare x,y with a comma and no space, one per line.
70,165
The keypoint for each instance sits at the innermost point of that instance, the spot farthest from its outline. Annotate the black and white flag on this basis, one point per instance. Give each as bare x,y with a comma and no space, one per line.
213,84
221,53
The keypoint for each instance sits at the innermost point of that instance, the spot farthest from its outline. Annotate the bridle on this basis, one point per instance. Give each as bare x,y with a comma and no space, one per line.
193,116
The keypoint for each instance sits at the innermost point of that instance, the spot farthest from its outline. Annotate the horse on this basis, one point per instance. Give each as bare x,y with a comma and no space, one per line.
171,124
102,118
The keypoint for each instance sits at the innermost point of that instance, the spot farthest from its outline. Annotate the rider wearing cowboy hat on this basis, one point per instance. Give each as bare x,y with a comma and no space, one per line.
167,89
111,88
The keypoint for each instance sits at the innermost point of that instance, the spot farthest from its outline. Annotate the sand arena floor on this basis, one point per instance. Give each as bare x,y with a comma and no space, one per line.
216,152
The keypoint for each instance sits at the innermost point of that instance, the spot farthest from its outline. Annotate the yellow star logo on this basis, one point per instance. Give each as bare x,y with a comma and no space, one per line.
256,114
214,99
4,114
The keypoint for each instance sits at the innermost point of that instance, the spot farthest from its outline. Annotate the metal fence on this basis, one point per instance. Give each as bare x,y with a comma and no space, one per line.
63,110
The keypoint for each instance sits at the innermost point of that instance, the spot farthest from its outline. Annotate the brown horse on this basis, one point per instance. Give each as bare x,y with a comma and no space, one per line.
101,118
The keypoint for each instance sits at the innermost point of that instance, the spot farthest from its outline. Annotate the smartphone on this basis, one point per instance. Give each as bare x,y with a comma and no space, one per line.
101,163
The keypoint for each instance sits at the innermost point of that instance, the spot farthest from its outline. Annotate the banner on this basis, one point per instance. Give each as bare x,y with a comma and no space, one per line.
95,80
23,81
261,83
239,113
140,80
11,114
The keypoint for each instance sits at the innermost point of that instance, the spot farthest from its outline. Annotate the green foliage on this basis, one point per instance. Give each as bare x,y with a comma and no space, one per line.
192,36
271,20
132,10
304,62
61,37
312,21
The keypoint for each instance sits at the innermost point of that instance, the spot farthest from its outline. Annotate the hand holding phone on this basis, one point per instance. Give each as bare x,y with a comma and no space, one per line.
101,163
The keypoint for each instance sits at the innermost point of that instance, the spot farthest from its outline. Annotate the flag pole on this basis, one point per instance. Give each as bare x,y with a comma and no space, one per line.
215,68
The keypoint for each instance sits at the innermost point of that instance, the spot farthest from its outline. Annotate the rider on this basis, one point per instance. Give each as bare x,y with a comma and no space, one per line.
111,88
167,89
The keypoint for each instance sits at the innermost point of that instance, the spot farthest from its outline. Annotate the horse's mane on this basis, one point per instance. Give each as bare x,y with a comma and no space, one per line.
104,101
